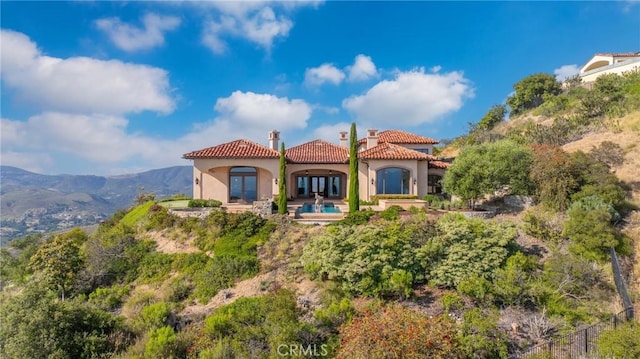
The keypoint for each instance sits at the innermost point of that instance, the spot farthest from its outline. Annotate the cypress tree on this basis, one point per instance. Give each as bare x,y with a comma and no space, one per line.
282,184
354,190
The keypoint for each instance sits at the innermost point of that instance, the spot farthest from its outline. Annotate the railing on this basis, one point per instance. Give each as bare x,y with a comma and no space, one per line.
580,343
584,342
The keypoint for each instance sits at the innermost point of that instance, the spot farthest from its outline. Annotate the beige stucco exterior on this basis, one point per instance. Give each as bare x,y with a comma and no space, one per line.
242,171
602,64
211,177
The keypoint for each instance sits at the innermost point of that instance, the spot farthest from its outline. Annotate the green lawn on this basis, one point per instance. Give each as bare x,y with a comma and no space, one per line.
183,203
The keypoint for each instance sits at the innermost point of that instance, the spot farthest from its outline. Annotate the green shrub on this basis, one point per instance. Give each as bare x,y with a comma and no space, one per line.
221,273
451,301
109,298
160,218
162,343
470,247
378,197
538,224
372,260
155,315
193,203
256,327
480,336
621,342
392,213
356,218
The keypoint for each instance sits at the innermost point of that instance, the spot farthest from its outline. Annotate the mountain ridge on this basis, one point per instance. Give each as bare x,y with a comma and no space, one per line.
31,202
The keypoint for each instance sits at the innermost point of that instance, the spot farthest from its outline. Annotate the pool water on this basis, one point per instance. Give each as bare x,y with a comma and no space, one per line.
327,207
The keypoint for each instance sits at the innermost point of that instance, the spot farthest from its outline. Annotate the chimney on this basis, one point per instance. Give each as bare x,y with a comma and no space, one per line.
274,137
372,138
343,139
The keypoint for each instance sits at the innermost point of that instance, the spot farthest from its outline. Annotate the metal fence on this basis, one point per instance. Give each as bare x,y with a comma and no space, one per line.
620,283
581,343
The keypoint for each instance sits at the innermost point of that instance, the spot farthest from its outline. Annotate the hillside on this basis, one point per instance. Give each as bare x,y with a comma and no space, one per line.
32,202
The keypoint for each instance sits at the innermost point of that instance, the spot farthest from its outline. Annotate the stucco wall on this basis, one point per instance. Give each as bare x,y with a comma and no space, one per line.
367,173
213,177
618,69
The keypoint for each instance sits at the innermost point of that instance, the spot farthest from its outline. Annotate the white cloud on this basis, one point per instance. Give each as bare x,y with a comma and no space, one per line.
260,22
363,69
102,143
412,98
566,71
324,73
331,133
130,38
80,84
51,140
263,111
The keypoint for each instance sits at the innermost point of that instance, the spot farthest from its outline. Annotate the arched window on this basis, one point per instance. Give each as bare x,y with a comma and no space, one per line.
392,180
243,184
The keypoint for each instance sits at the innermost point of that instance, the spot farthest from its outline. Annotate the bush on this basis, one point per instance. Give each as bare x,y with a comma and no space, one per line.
199,203
371,260
480,337
356,218
395,331
451,301
538,224
470,247
221,273
378,197
621,342
109,298
392,213
161,343
155,315
256,327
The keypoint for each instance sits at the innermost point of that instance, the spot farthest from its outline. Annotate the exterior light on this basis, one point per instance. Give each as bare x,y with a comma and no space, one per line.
373,181
197,181
415,181
275,180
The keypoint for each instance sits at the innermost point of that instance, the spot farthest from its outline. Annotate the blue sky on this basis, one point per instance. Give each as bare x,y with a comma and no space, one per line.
120,87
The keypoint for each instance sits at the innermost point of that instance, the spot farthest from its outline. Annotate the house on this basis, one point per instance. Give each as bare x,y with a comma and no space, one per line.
613,63
390,162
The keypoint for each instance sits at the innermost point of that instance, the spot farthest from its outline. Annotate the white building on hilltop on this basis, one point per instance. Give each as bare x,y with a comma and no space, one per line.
616,63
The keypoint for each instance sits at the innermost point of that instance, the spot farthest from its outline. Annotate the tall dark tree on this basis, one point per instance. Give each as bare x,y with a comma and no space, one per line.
282,184
354,183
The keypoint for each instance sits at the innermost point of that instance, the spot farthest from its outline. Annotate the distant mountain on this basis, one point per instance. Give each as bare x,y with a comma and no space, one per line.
32,202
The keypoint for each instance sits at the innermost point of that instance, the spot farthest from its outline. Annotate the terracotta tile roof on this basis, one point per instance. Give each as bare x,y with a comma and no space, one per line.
402,137
235,149
318,151
389,151
439,164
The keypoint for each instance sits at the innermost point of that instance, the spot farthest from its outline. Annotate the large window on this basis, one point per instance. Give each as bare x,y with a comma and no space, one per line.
243,184
392,180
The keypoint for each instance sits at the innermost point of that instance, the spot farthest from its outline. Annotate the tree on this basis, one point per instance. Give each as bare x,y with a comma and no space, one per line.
553,176
530,92
494,116
59,260
354,183
282,185
483,169
37,325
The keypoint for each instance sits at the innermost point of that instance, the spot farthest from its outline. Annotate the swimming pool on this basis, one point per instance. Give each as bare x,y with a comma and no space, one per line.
327,207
